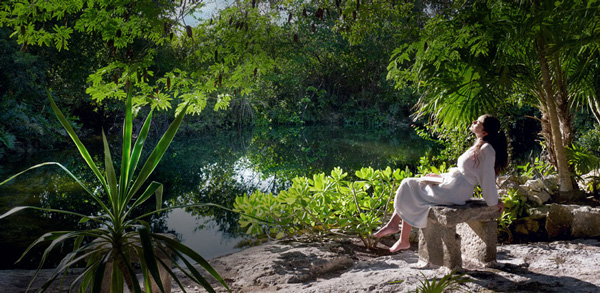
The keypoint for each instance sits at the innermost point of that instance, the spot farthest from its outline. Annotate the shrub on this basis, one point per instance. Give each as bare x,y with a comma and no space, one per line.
323,203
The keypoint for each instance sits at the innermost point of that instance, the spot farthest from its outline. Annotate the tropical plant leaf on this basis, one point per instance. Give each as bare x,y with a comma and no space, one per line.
148,254
60,269
99,275
17,209
82,150
68,172
126,152
45,237
84,277
157,153
139,144
179,247
131,272
193,274
154,187
169,270
111,176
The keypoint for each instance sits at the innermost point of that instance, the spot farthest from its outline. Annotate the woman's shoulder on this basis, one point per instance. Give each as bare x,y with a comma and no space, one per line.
488,148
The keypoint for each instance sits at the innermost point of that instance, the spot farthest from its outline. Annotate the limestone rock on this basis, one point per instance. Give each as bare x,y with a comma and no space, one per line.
527,226
551,183
587,179
534,185
538,197
559,221
506,182
512,182
502,192
586,222
537,192
539,213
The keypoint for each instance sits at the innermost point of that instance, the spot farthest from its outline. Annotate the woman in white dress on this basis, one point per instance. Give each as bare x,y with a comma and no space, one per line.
478,165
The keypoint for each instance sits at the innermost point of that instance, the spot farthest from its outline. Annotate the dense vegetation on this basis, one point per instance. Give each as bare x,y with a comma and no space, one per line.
302,62
434,64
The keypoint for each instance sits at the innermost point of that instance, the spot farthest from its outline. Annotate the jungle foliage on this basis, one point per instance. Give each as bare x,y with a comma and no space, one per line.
298,62
317,206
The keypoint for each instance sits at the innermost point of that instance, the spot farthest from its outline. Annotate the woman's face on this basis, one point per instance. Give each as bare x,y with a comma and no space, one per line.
477,127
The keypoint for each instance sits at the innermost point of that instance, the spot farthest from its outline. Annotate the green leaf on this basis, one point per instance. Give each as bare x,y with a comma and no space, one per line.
17,209
61,269
193,273
111,176
69,173
45,237
85,278
167,267
176,246
154,187
139,145
222,102
149,257
126,152
157,154
82,150
99,275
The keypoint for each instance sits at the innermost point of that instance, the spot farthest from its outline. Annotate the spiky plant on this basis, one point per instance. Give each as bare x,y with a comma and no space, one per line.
119,238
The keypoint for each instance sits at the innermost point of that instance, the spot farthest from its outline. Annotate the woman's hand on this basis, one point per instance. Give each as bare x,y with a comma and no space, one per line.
433,175
500,205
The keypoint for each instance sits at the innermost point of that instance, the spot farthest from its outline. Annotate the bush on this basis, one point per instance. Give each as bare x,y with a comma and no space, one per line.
323,203
590,140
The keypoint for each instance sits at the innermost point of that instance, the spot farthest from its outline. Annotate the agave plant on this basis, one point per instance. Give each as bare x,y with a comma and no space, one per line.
120,239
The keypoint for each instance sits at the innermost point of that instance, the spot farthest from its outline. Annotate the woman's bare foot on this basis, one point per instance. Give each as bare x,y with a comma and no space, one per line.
399,245
387,230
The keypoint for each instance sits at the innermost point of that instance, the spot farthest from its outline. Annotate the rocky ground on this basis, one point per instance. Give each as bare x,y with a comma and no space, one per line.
343,265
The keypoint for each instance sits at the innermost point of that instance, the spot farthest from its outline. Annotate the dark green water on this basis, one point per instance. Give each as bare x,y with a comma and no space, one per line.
201,169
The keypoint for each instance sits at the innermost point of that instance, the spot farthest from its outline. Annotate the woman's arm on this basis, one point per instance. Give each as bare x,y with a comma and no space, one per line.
433,175
487,175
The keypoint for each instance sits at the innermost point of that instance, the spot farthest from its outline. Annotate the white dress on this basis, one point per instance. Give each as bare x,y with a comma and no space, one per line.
414,198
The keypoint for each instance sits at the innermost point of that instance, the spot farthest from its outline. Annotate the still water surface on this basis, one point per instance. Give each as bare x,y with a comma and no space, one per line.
209,168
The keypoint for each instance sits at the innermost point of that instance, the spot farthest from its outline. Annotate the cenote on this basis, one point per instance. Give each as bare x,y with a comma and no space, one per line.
211,168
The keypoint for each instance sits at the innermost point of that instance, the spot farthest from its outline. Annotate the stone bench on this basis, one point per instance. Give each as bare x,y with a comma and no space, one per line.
454,233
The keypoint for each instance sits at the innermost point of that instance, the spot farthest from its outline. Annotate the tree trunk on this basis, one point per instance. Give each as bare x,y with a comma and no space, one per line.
564,178
547,134
565,117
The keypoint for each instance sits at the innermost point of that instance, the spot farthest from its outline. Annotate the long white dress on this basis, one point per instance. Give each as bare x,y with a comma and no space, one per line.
414,198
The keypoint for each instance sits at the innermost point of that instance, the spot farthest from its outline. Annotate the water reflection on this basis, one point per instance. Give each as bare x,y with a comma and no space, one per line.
203,169
201,234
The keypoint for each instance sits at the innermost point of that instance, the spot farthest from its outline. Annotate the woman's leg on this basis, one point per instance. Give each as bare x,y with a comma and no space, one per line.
403,242
390,228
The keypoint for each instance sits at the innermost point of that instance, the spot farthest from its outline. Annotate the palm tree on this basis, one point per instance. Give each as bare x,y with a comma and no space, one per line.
471,57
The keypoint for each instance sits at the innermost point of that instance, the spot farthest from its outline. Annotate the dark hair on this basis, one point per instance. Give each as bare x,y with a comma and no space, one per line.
495,136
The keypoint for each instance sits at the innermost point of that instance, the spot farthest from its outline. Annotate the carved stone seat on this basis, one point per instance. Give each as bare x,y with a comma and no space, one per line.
454,233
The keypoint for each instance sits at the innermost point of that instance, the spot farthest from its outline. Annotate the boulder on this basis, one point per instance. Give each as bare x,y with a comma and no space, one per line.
537,192
539,213
586,222
512,181
527,226
538,197
559,221
551,183
534,185
587,179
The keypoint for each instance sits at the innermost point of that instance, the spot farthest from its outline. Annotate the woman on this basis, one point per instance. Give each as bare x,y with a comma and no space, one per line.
478,165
